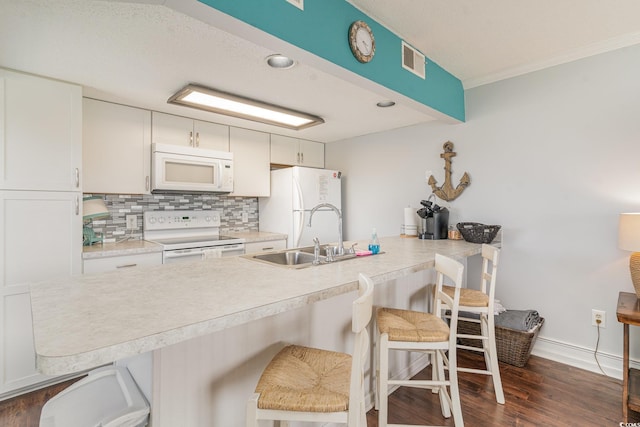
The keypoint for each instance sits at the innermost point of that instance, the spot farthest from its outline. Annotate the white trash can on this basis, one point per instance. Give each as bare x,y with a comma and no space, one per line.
107,397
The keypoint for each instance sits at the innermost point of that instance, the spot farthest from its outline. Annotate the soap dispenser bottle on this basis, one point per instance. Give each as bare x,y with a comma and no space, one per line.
374,244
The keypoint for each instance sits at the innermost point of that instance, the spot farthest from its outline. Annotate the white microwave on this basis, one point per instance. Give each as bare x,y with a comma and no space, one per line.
175,168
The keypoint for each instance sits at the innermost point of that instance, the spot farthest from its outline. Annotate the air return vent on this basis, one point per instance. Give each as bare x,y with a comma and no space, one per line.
413,60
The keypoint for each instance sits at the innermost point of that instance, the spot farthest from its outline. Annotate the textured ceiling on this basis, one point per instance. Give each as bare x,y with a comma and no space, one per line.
140,54
485,41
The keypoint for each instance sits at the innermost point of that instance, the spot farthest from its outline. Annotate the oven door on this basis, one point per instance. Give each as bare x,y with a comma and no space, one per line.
196,254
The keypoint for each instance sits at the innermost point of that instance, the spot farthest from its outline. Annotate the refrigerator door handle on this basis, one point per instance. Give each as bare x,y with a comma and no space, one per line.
300,211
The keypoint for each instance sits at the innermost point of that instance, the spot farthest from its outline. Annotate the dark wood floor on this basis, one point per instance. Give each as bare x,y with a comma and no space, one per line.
543,393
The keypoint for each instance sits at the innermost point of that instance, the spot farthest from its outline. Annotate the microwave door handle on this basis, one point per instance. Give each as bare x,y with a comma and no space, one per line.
219,167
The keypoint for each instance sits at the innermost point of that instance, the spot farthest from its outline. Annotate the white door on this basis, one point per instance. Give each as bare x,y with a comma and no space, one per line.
170,129
41,137
40,239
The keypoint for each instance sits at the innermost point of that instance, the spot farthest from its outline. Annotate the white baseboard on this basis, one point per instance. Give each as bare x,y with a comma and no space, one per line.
580,357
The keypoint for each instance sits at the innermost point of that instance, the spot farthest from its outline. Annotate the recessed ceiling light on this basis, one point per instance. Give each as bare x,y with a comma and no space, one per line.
280,61
385,104
215,101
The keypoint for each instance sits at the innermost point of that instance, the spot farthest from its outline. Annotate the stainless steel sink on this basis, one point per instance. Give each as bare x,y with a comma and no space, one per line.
295,258
292,258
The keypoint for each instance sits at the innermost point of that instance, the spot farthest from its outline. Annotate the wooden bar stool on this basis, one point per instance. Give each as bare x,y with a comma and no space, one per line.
312,385
481,302
423,332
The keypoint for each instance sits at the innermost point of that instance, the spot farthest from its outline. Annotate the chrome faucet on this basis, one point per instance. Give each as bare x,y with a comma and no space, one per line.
316,251
337,211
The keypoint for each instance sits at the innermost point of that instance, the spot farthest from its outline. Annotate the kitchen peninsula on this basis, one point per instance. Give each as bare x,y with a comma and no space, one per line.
85,321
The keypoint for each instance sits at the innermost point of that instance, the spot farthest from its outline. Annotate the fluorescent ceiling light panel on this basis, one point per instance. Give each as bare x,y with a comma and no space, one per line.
215,101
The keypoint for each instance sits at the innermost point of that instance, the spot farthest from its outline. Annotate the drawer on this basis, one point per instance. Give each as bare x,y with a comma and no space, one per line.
100,265
267,246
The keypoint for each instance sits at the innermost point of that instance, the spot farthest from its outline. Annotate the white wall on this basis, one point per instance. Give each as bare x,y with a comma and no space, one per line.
554,157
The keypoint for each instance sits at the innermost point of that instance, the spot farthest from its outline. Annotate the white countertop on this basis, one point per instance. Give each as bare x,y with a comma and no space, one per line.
129,247
85,321
132,247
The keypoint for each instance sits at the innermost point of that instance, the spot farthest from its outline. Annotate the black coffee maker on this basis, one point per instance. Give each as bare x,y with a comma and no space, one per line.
435,221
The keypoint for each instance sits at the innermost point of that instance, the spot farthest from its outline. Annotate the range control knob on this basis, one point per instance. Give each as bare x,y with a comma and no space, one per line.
152,220
207,218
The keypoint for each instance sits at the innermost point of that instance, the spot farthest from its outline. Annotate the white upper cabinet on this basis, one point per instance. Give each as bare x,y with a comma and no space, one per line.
286,150
252,171
40,133
116,148
177,130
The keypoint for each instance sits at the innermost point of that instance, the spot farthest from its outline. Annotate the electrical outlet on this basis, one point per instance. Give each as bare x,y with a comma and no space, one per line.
245,217
598,315
132,222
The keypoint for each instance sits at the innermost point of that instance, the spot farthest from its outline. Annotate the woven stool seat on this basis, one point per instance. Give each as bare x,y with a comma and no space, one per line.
469,297
411,326
304,384
306,379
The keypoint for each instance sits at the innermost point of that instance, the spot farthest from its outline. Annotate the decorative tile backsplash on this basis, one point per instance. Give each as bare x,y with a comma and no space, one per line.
114,228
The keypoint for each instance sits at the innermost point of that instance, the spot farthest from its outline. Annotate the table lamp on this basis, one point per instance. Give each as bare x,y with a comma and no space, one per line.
92,208
629,240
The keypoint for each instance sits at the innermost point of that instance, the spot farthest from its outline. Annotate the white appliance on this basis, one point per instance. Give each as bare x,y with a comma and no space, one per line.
189,235
294,192
175,168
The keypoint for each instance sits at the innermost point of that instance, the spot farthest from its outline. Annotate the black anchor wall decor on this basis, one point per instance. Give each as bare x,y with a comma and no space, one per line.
446,191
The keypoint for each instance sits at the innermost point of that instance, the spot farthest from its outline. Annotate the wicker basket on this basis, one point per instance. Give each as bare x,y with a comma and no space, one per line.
475,232
513,346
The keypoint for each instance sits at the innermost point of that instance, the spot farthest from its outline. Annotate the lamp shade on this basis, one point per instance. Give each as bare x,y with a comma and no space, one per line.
93,208
629,232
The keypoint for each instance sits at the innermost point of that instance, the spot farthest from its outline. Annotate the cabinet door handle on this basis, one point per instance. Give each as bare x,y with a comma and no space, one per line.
268,249
298,157
302,157
191,138
146,182
197,139
77,175
126,265
77,205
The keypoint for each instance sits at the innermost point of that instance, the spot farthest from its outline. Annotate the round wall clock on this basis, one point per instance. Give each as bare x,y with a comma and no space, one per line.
361,41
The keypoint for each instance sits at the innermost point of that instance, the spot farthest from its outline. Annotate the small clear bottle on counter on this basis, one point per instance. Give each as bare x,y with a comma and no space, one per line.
374,244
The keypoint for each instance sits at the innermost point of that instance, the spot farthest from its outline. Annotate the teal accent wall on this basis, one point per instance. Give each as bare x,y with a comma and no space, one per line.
322,28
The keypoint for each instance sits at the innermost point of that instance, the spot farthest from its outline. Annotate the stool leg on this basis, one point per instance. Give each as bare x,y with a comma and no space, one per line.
383,378
492,364
442,390
376,357
456,408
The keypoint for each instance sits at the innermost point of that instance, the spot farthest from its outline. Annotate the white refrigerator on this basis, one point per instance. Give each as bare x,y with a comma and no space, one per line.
294,192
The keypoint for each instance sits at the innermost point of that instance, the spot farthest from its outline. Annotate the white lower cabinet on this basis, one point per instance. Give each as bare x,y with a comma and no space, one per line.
40,239
141,365
120,262
265,246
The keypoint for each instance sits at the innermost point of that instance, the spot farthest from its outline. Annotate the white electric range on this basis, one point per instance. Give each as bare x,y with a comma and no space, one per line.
186,235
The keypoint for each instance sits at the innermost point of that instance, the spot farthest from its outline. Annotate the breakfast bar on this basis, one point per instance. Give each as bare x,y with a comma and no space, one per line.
86,321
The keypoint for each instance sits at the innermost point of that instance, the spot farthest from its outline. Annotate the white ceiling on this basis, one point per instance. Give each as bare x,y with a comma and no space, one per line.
140,54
